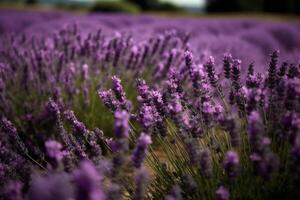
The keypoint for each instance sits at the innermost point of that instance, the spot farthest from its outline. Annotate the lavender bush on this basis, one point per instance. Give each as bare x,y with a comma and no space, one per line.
163,112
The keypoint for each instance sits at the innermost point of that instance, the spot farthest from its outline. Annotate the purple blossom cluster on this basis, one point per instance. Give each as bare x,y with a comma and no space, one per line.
148,113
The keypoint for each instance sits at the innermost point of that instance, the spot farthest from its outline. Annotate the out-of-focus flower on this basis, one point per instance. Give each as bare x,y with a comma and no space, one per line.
231,164
140,150
88,182
222,193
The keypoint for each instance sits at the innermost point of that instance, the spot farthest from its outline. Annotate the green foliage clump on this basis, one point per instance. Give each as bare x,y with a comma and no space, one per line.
113,6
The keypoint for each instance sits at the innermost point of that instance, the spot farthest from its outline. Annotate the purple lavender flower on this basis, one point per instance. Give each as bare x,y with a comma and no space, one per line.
53,149
157,99
8,127
140,150
148,116
283,69
52,186
118,89
175,106
79,128
255,130
293,71
231,164
222,193
188,59
143,90
227,61
210,68
230,125
236,74
53,108
108,99
141,182
87,181
272,76
264,160
121,124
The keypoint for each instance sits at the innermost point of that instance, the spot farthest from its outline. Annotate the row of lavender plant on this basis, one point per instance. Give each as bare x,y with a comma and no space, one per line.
214,135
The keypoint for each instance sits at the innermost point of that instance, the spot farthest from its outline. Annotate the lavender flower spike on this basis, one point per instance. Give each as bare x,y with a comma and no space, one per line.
227,61
118,89
53,149
140,150
141,180
231,164
121,124
87,181
210,68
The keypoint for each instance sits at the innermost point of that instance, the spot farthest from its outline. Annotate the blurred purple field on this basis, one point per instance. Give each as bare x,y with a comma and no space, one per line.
248,39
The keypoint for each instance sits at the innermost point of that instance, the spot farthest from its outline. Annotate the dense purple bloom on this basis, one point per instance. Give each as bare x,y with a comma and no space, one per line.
175,105
148,116
108,99
140,150
264,160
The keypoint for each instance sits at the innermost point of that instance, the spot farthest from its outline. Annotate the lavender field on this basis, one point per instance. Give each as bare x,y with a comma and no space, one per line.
115,106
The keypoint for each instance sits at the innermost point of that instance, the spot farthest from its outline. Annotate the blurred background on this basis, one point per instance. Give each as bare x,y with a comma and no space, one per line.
284,7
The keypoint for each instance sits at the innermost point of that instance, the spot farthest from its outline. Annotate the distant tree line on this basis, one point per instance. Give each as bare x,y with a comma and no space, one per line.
273,6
